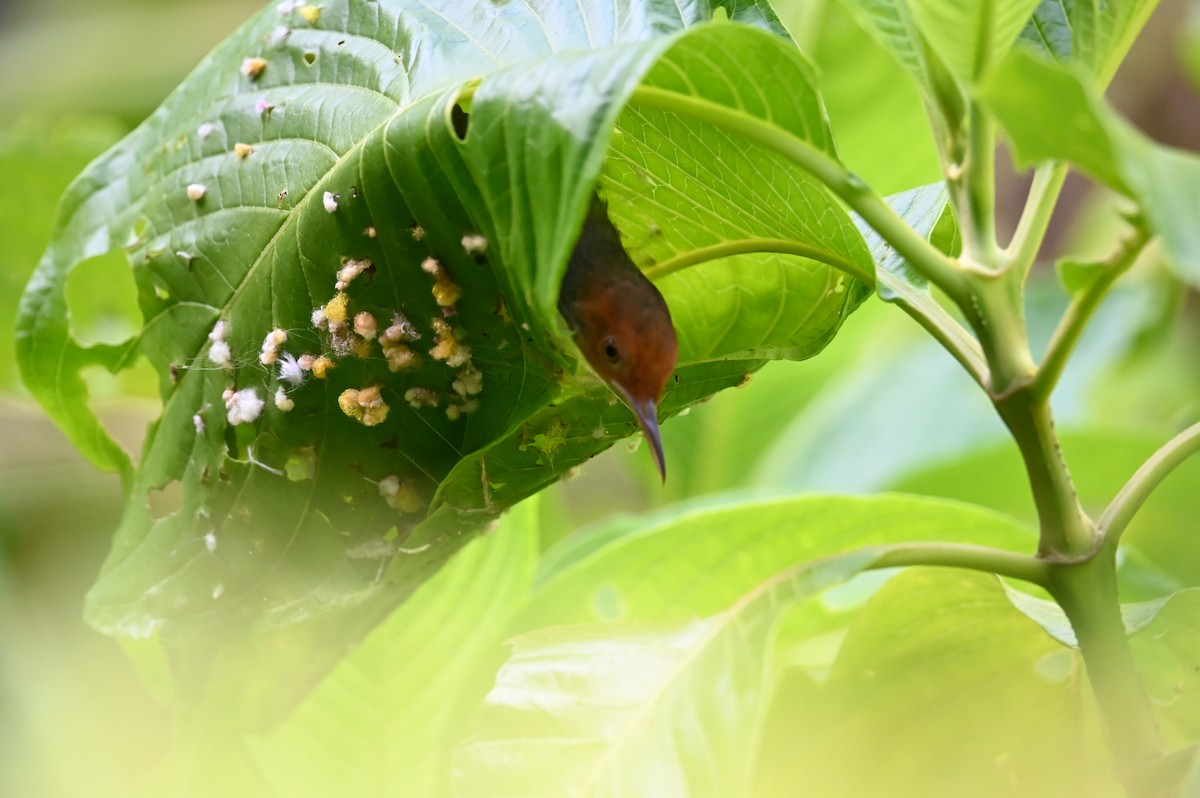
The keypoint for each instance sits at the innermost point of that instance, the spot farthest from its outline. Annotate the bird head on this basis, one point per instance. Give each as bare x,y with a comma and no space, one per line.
624,330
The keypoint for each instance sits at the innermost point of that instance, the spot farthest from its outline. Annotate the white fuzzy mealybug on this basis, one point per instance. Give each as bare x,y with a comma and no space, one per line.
243,406
291,370
283,401
196,191
206,130
270,346
474,244
330,201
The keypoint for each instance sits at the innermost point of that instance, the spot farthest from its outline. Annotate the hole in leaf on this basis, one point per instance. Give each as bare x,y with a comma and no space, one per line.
102,305
165,501
459,120
310,57
302,465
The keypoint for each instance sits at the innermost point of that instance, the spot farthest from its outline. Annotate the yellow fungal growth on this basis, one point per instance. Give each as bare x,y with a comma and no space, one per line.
242,150
402,496
399,357
365,325
421,397
447,346
446,292
321,367
310,14
362,348
365,405
253,67
335,310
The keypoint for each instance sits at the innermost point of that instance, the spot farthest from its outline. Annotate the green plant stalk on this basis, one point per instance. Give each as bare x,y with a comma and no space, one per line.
1126,504
997,314
973,191
962,555
1087,593
921,307
1080,311
1066,532
1031,229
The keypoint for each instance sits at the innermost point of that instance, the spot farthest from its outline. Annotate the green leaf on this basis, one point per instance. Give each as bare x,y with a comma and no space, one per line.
607,710
971,35
296,514
865,90
952,692
1093,33
1050,616
922,208
1167,651
681,187
1024,92
697,561
893,25
1075,276
38,159
386,719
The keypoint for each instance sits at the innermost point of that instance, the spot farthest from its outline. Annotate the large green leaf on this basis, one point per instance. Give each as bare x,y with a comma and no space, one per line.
386,719
1093,33
629,710
971,35
1025,91
617,679
240,199
1167,651
947,690
698,560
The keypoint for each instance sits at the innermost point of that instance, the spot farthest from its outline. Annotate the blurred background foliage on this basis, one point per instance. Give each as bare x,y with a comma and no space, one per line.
882,409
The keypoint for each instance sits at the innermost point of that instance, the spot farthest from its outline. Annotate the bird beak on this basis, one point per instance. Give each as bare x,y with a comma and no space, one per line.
647,417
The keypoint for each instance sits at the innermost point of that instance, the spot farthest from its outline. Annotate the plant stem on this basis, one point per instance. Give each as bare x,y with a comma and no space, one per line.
1139,487
747,246
1048,181
962,555
1080,311
979,198
1066,531
1087,593
920,306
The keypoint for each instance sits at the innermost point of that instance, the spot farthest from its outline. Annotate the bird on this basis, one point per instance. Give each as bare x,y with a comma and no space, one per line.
620,321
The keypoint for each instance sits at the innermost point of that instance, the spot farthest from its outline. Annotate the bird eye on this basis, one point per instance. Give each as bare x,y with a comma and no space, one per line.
609,347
